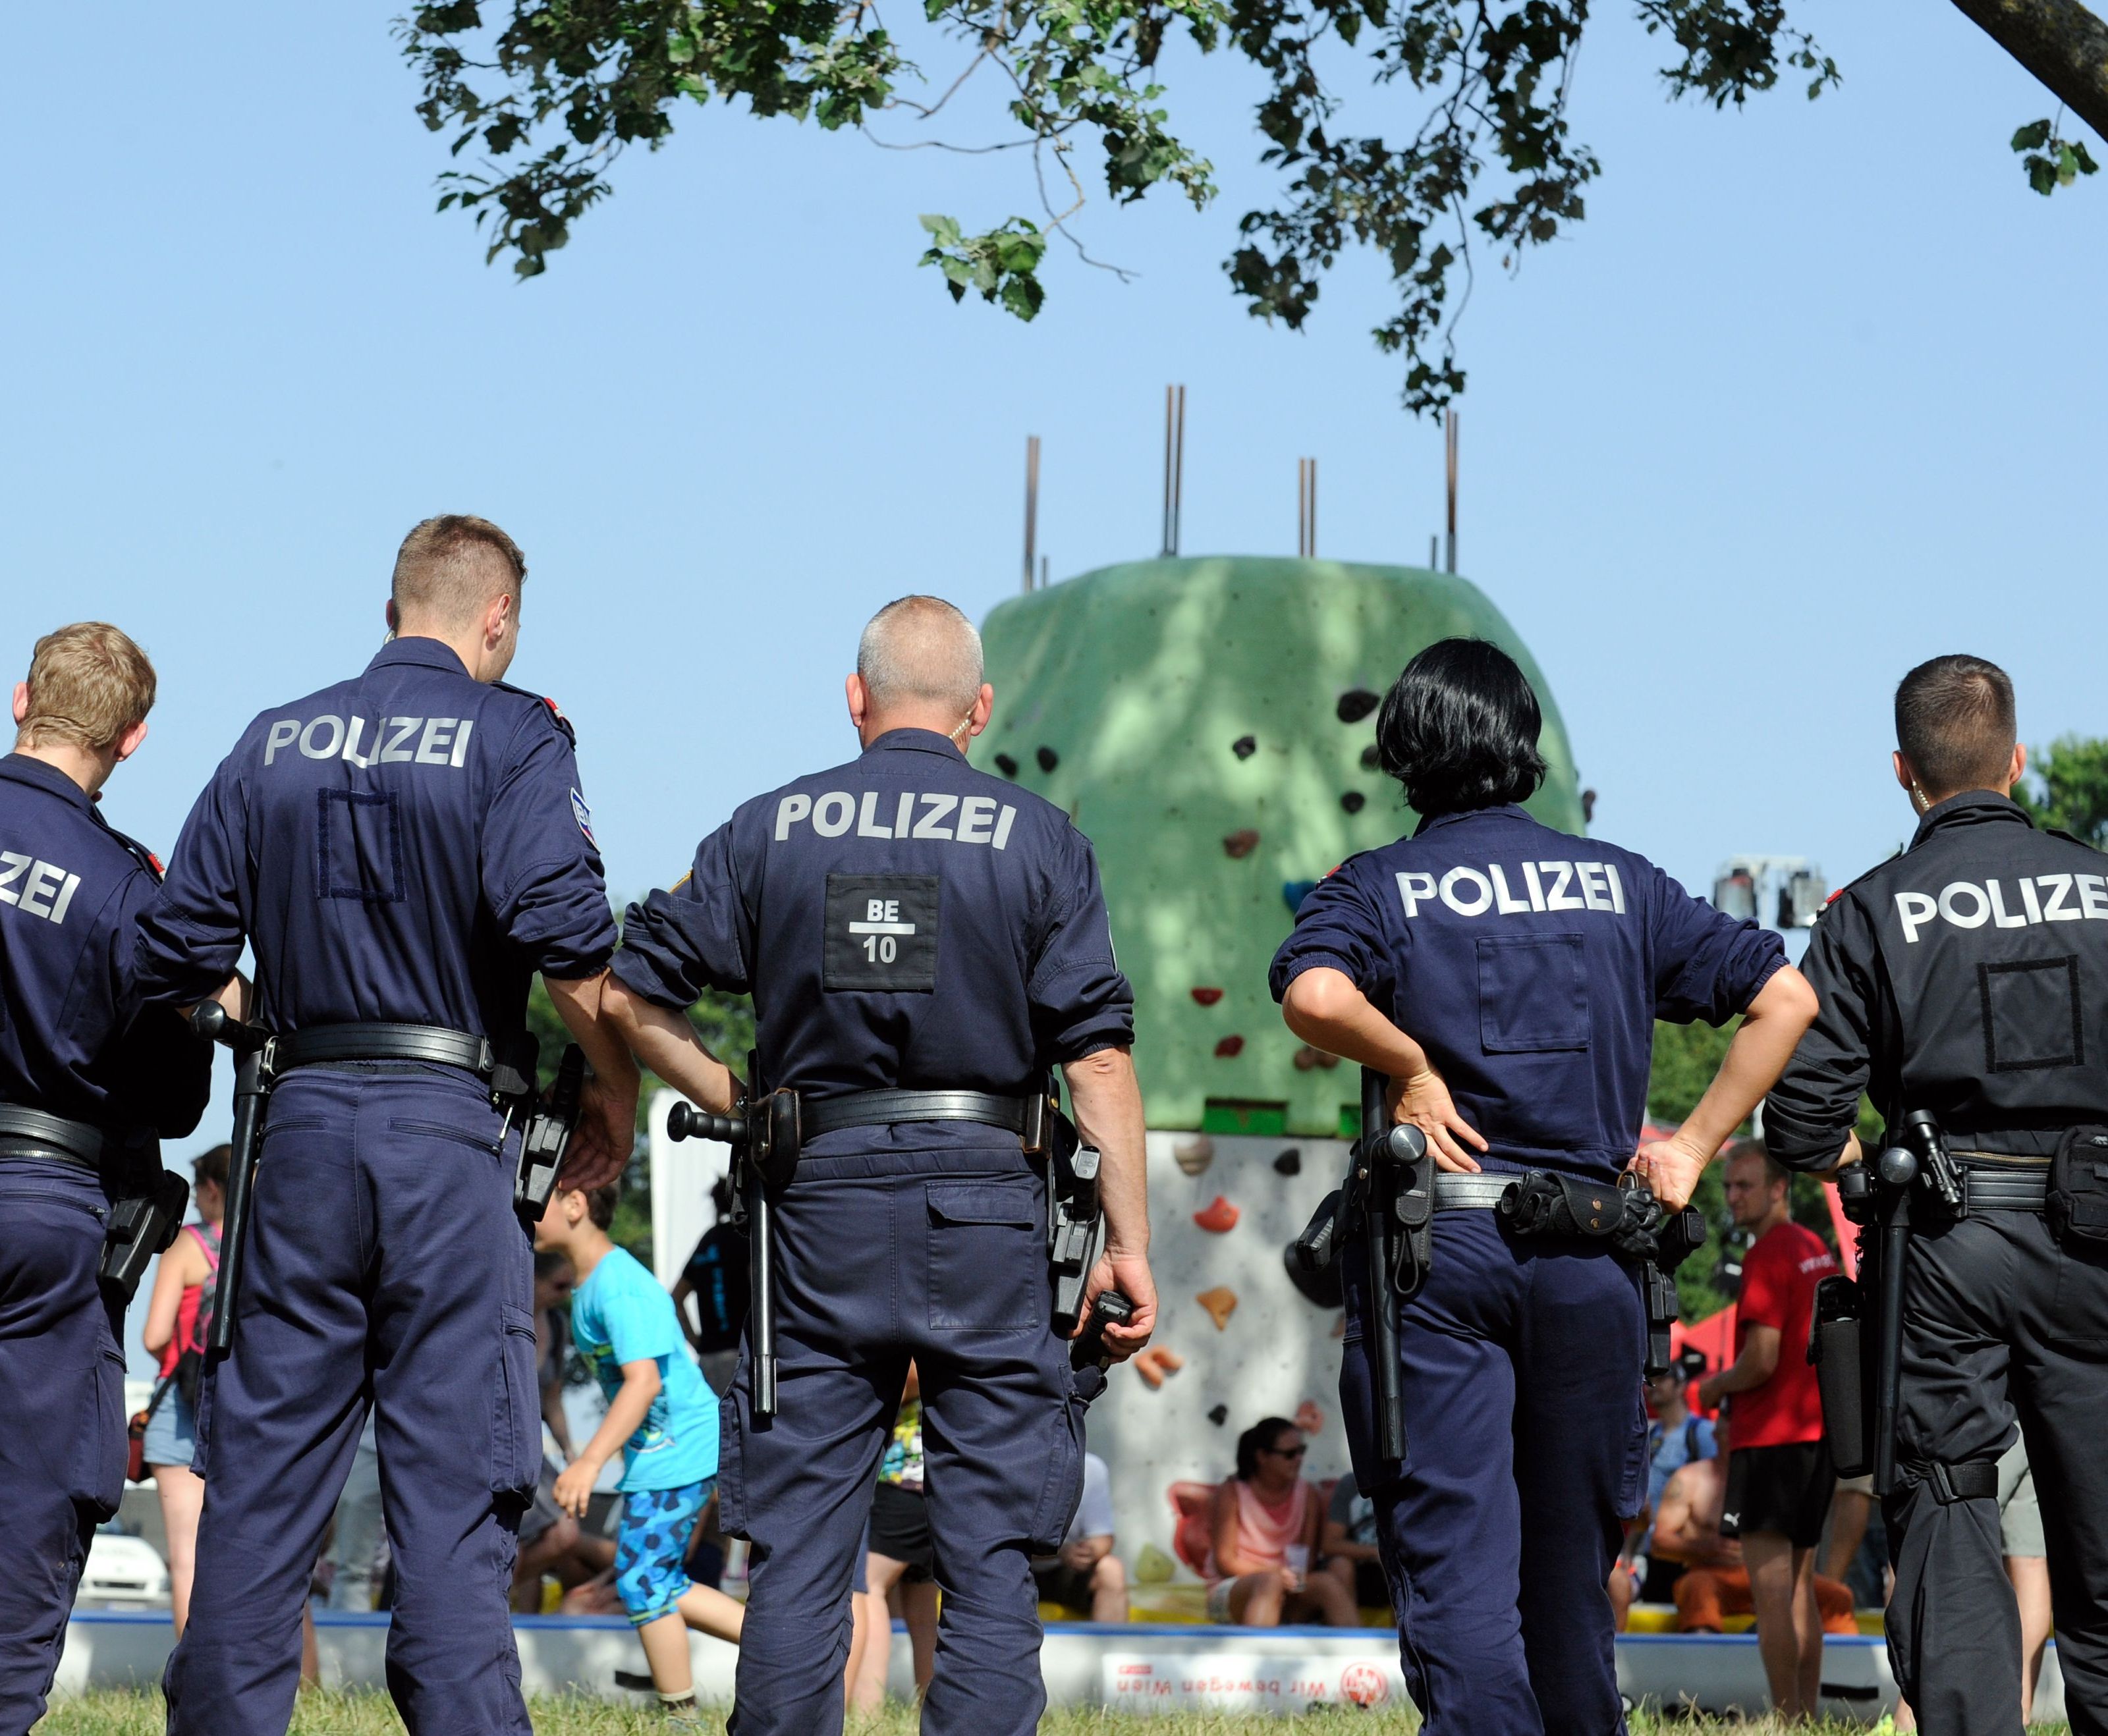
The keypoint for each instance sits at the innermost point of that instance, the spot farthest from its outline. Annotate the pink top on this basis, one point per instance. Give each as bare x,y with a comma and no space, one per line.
1265,1533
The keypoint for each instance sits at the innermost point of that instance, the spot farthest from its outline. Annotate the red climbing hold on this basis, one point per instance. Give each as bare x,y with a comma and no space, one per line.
1238,845
1230,1047
1207,996
1218,1218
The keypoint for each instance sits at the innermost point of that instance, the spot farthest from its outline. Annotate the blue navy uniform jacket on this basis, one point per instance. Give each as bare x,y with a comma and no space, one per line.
72,1040
1531,965
410,846
901,921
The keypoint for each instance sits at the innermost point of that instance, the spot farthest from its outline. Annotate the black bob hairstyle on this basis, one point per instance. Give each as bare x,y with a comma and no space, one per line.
1459,728
1260,1437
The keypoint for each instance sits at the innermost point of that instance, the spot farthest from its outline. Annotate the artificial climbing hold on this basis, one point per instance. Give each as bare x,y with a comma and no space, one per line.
1217,1217
1289,1163
1194,1155
1355,703
1217,1414
1238,845
1353,802
1152,1567
1372,757
1221,1303
1306,1058
1154,1363
1207,996
1048,758
1006,765
1244,747
1339,1326
1293,892
1229,1048
1309,1418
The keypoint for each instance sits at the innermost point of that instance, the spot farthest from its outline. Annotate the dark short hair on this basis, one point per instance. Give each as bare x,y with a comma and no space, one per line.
1775,1171
1259,1438
1954,724
548,1261
1459,728
601,1202
211,1166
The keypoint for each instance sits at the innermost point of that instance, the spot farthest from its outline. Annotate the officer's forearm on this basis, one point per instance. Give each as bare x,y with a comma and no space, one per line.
1771,1030
1106,1099
664,1042
578,1002
1328,1011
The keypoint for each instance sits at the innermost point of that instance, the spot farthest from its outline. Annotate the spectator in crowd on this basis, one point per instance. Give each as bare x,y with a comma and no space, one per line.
662,1421
2020,1528
552,1542
1676,1435
1263,1531
1715,1583
899,1563
1347,1542
1851,1507
178,1315
1780,1479
716,1280
1086,1578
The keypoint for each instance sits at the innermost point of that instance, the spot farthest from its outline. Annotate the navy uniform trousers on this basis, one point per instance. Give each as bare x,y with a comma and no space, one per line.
1999,1320
1526,1449
385,1267
873,1268
62,1436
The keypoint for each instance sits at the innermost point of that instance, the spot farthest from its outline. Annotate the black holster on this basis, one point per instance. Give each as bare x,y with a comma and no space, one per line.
1075,1218
2077,1197
546,1138
141,1226
1843,1372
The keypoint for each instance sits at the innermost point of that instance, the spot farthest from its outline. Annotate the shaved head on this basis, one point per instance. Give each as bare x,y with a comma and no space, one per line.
918,651
451,568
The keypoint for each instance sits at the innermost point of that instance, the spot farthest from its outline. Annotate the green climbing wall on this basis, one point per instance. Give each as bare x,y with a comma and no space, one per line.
1184,703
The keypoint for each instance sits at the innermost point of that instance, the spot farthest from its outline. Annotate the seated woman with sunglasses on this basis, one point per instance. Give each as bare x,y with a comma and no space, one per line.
1263,1534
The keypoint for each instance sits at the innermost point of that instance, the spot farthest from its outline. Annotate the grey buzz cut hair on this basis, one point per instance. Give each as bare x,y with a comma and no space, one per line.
920,649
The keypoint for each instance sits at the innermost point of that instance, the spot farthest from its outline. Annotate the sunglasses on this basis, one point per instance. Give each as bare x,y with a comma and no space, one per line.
1286,1452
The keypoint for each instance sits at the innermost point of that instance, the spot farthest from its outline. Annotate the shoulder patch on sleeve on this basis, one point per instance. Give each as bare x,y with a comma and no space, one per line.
583,815
136,850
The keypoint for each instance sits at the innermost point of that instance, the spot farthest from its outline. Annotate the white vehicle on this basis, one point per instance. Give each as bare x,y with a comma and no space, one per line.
122,1568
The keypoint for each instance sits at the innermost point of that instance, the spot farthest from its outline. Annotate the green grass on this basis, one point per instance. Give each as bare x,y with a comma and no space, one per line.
371,1715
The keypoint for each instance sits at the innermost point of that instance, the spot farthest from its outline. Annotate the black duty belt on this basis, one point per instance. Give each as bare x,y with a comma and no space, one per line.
1024,1116
31,1133
2006,1187
434,1044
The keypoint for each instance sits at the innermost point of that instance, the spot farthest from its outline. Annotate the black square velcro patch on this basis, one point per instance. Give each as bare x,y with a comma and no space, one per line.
882,933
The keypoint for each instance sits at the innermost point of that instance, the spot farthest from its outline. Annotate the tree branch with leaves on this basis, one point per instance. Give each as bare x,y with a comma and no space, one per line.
547,94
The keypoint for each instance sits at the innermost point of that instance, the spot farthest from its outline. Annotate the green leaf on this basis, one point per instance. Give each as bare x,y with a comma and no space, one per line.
945,229
2033,136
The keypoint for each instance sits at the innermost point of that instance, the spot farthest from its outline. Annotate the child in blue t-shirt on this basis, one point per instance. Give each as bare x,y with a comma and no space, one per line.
665,1421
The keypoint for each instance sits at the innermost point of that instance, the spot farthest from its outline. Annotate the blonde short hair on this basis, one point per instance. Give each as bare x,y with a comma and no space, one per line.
450,567
89,683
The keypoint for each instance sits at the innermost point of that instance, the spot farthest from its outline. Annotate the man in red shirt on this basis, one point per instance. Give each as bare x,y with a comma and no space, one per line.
1779,1474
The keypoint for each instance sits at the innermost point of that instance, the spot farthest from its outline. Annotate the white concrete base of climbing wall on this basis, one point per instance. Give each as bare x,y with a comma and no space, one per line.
1142,1667
1274,1353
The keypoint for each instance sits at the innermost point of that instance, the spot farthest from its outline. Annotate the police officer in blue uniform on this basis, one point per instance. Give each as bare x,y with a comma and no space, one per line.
921,941
1507,978
88,1086
1966,977
403,850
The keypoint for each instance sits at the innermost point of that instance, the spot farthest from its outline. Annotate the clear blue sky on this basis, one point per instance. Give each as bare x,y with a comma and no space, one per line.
1811,395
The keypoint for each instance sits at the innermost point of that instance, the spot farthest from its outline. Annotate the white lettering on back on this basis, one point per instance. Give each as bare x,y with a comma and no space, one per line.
1915,910
976,820
1559,898
1508,905
1449,891
832,812
868,826
1414,890
47,889
789,811
281,736
1998,909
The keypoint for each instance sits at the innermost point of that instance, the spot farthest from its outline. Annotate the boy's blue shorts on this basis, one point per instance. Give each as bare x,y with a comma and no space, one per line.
651,1545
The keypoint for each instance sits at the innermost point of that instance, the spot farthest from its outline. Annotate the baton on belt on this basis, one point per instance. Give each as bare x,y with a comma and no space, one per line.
252,1093
1397,1199
767,1137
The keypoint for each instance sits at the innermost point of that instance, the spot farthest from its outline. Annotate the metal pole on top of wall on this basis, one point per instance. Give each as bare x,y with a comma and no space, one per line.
1174,467
1031,507
1449,453
1306,508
